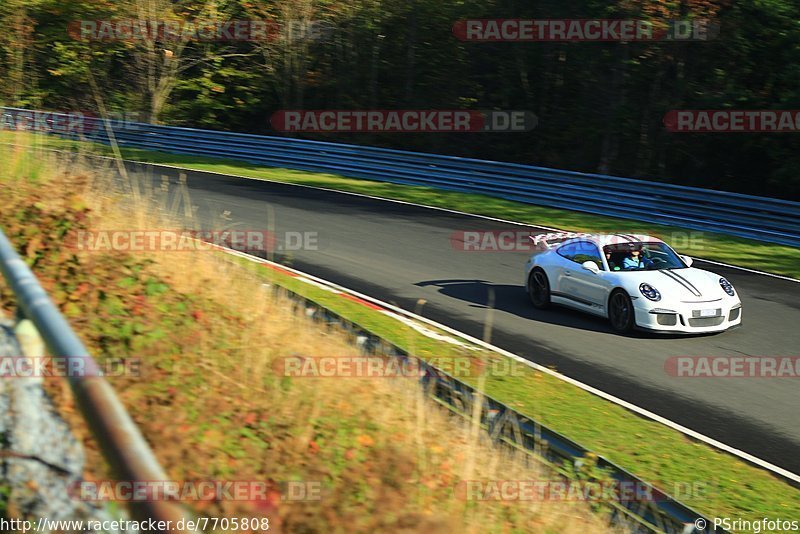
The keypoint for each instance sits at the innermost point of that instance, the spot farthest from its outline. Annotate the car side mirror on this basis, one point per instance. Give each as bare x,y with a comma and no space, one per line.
687,260
591,266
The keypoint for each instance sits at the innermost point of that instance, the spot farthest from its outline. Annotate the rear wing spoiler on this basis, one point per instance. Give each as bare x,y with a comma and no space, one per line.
542,242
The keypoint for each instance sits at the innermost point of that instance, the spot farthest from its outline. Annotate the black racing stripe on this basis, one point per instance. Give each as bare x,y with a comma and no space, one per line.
623,236
631,237
682,281
694,289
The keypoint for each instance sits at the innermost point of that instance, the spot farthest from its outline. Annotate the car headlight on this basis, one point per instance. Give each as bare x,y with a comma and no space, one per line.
727,287
649,292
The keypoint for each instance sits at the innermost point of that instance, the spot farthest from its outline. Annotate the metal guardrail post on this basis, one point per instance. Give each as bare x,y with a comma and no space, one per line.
121,442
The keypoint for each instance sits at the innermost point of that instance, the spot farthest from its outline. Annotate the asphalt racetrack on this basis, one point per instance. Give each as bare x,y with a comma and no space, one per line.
401,253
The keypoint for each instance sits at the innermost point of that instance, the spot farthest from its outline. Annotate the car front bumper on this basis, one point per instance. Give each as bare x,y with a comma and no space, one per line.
689,318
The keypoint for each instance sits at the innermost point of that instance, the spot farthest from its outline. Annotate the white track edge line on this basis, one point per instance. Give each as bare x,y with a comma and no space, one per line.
590,389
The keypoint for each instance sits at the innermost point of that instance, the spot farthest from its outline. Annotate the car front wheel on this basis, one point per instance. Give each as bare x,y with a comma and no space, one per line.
620,312
539,289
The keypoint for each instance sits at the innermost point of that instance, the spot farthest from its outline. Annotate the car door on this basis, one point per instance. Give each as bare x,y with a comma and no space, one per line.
588,287
565,287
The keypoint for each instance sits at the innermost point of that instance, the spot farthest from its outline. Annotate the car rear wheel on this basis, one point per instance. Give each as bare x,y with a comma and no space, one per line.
539,289
620,312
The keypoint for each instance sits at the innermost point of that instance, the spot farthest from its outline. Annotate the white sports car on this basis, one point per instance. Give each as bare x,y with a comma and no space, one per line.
636,281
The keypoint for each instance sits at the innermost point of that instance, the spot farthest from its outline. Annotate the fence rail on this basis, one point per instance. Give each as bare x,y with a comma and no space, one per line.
765,219
122,445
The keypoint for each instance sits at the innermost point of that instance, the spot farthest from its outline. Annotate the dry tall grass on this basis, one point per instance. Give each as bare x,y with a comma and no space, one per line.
386,457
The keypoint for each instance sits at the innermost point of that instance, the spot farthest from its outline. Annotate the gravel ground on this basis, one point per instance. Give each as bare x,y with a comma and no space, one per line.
40,459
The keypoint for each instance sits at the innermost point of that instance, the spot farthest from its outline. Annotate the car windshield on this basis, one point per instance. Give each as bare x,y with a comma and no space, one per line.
642,257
